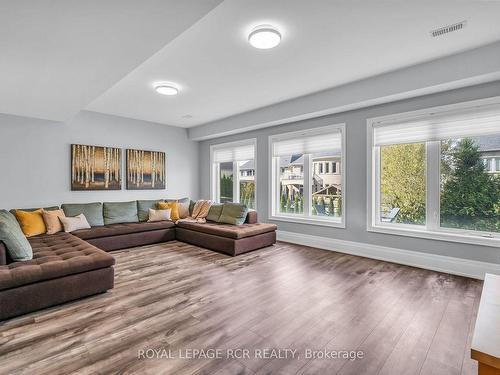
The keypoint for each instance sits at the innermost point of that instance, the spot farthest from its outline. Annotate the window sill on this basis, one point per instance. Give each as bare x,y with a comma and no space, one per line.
460,237
336,223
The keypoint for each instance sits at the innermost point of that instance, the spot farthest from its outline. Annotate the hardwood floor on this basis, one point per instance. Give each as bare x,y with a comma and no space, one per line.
176,296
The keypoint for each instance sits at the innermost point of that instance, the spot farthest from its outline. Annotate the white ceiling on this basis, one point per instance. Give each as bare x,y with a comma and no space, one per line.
56,56
325,43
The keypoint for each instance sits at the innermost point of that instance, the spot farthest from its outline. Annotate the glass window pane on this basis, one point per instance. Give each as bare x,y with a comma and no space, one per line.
403,183
247,183
470,193
226,182
291,184
326,188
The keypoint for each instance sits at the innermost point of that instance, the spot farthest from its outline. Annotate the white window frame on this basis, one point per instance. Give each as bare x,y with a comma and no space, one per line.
274,176
215,170
432,229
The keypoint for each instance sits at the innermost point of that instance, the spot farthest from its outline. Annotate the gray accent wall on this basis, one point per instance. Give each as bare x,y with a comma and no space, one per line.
35,158
356,176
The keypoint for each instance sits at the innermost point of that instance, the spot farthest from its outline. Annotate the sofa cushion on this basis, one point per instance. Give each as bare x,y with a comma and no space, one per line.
228,230
92,211
51,208
233,213
214,212
143,207
120,229
54,256
120,212
12,236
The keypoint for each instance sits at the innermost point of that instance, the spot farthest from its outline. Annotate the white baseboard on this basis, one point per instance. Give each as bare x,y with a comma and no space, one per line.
456,266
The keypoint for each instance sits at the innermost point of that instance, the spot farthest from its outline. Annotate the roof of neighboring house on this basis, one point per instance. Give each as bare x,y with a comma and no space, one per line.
488,143
249,165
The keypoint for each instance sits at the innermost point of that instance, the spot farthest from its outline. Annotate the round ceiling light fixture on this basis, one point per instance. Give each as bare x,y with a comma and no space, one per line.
166,89
264,37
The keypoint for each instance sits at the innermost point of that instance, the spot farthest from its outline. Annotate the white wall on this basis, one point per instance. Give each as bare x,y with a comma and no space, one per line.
356,175
35,158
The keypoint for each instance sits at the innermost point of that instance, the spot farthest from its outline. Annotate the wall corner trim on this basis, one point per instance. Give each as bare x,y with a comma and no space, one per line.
456,266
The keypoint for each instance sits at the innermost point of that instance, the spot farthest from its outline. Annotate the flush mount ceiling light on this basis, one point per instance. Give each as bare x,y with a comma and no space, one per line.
264,37
166,89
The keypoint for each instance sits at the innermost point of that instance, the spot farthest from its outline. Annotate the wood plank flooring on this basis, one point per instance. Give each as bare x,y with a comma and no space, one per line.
179,297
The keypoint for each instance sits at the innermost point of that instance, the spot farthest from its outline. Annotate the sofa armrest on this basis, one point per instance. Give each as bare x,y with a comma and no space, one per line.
251,217
3,254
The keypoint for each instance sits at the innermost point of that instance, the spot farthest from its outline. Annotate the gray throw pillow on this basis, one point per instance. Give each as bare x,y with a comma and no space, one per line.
191,207
143,207
214,212
13,237
233,213
120,212
91,211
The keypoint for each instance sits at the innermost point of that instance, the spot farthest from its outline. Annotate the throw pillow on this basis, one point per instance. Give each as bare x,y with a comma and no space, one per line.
183,205
214,212
233,213
174,206
159,215
12,236
31,223
52,222
71,224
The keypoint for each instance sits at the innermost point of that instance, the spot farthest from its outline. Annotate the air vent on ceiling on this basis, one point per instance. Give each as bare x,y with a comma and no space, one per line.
448,29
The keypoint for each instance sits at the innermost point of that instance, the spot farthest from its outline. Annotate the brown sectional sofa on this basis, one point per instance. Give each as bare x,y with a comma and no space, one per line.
68,266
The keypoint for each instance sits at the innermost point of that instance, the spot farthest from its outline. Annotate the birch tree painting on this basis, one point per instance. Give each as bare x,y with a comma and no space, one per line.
146,170
95,168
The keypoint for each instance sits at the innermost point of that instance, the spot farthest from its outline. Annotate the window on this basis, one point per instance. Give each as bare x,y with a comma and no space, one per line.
434,174
303,190
233,172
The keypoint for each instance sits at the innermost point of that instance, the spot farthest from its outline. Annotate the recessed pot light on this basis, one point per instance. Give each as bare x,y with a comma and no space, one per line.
166,89
264,37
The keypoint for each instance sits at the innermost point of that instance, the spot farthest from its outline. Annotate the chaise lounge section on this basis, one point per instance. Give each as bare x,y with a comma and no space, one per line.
63,268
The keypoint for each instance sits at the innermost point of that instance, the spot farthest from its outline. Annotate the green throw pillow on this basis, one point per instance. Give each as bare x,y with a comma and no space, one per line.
214,212
91,211
12,236
120,212
233,213
143,207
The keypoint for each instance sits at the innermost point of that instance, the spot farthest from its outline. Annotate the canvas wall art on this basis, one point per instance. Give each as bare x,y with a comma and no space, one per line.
95,168
146,170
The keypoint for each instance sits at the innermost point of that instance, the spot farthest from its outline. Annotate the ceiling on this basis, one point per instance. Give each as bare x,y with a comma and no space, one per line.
325,44
62,56
56,56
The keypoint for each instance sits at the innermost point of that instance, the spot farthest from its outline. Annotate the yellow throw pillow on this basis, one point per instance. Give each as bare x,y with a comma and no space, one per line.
52,222
174,206
31,223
